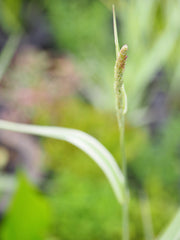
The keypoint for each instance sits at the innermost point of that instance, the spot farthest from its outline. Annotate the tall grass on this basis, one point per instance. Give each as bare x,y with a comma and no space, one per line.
97,151
121,108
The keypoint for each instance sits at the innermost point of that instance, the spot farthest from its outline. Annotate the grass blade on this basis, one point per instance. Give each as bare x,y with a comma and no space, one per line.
83,141
115,32
173,231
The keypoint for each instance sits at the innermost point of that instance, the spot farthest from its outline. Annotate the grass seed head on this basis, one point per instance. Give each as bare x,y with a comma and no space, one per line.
121,99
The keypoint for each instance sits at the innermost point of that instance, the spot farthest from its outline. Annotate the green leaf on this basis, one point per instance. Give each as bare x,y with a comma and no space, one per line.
83,141
173,231
116,41
29,215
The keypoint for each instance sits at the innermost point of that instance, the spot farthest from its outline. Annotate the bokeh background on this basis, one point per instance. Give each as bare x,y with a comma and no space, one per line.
56,68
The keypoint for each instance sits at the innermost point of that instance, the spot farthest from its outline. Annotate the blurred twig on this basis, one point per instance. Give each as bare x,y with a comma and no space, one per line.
8,53
146,217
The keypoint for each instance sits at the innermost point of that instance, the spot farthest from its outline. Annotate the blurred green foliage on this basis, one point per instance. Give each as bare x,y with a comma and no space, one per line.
80,26
10,15
150,28
160,156
29,215
84,28
149,170
81,201
82,208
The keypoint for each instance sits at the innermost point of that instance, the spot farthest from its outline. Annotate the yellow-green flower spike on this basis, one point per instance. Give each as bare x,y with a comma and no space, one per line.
120,65
121,55
121,98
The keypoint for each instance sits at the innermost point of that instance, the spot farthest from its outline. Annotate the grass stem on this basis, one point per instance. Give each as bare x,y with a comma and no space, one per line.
125,218
121,108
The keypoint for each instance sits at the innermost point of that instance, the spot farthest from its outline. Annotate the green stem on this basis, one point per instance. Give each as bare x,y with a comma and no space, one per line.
121,108
125,219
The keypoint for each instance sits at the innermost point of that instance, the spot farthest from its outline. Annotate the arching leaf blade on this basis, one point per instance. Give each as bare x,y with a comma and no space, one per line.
83,141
